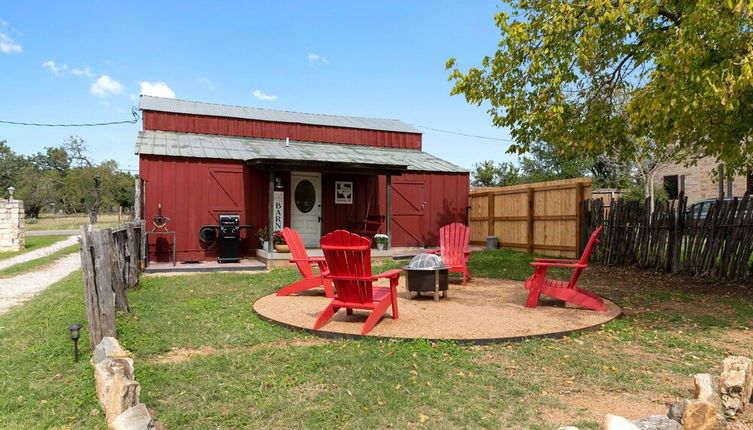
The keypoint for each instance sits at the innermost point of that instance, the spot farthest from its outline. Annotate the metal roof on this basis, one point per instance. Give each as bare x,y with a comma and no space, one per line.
162,104
152,142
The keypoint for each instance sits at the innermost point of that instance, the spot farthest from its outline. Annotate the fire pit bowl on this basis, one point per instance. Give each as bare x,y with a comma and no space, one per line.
427,273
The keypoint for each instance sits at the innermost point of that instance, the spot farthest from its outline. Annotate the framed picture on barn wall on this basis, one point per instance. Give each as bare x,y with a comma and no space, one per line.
343,192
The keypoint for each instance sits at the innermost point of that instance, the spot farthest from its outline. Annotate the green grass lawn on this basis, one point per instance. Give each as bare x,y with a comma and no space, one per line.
205,360
33,242
72,222
41,386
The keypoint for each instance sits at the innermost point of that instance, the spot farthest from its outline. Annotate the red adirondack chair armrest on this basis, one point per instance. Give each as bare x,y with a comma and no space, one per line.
469,251
388,274
546,264
554,260
432,251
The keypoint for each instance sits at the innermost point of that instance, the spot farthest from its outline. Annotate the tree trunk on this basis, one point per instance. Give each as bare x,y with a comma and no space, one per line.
93,214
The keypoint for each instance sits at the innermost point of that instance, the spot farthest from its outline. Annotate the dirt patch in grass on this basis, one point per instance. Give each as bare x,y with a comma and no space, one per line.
594,405
178,354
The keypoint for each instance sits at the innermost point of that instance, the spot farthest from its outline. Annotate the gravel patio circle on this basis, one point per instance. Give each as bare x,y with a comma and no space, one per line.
486,311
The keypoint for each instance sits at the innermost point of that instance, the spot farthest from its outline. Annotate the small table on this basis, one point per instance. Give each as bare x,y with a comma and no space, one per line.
160,232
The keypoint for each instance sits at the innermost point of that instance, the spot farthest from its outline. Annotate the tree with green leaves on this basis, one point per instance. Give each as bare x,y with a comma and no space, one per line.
563,67
487,174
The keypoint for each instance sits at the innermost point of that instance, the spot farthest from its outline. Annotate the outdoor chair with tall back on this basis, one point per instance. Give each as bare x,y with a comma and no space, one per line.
539,284
453,248
349,260
305,266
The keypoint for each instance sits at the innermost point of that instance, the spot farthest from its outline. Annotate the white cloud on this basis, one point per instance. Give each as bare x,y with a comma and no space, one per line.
313,58
54,68
8,45
157,89
105,86
208,82
261,96
86,71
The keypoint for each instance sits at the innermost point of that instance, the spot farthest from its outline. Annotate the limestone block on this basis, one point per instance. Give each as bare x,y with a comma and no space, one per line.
108,347
615,422
657,422
702,415
736,384
134,418
705,388
116,389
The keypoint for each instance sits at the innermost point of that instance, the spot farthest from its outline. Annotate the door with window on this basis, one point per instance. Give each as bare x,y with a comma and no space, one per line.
306,207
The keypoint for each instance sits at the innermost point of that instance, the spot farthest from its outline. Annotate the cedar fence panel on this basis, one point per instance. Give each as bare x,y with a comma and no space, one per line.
543,218
716,244
111,264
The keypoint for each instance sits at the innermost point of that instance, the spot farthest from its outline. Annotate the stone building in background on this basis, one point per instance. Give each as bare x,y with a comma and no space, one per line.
699,181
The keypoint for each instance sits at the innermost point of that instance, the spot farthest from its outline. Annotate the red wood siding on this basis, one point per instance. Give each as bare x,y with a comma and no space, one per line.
424,202
192,194
336,217
186,123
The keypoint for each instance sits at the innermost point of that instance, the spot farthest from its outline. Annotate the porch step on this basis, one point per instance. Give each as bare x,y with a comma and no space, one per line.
245,265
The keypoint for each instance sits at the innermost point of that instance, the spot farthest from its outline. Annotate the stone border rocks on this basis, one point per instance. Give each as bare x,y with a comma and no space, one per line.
715,401
117,390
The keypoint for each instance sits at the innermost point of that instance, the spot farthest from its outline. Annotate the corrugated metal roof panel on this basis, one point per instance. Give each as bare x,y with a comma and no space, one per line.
162,104
151,142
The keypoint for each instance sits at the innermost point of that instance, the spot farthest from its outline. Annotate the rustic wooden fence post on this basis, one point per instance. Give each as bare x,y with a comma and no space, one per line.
100,302
111,263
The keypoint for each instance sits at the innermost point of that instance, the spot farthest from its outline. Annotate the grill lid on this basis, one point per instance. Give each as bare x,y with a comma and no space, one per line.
426,262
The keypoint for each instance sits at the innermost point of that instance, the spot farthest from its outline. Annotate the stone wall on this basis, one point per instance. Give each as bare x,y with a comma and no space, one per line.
700,183
11,225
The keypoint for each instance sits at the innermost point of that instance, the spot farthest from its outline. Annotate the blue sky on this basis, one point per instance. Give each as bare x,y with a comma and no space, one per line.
74,62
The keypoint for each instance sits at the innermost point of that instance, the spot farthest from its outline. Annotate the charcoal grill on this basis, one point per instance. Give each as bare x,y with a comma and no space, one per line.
427,273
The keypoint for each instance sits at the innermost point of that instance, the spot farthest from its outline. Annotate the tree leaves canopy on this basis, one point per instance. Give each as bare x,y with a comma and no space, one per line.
601,76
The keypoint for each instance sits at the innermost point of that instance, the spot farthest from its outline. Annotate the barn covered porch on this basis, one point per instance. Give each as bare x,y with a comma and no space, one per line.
315,197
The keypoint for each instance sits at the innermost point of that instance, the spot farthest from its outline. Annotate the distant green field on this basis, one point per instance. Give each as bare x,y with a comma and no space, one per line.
72,221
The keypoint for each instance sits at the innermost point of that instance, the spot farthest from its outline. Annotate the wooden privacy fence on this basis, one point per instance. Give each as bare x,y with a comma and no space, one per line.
543,218
111,264
714,242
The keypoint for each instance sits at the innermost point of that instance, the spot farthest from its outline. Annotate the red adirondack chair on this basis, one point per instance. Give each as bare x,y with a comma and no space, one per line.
453,247
305,266
538,283
349,259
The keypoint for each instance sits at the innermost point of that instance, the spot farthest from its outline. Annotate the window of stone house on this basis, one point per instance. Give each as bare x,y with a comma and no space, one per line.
671,186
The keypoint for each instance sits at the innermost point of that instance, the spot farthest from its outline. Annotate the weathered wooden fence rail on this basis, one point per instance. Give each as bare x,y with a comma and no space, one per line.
543,218
111,264
714,242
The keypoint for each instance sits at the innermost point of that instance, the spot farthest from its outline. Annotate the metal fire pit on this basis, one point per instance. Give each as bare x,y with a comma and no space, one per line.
427,273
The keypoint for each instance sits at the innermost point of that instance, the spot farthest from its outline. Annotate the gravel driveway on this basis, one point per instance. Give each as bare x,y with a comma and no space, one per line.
38,253
18,289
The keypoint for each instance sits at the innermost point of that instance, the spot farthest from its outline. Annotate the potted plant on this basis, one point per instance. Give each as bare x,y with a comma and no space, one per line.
381,241
263,235
280,245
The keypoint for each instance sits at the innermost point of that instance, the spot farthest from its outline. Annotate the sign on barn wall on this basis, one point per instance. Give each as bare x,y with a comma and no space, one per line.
343,192
279,210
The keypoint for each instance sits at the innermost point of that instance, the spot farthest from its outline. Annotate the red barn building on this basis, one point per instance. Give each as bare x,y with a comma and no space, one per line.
199,160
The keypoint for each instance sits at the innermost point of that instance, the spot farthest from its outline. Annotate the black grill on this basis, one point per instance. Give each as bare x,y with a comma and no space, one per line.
229,238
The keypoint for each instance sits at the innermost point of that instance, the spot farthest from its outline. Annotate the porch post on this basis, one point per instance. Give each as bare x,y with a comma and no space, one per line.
388,221
270,222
